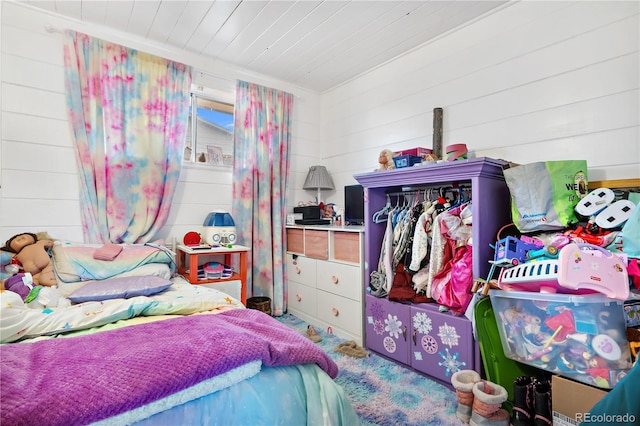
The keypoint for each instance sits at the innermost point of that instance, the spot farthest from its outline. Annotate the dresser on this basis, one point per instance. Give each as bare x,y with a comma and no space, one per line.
325,277
420,335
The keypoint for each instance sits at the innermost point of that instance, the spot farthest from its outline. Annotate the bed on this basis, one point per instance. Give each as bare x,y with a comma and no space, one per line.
182,355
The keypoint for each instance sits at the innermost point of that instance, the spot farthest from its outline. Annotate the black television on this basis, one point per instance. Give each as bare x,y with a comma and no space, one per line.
354,205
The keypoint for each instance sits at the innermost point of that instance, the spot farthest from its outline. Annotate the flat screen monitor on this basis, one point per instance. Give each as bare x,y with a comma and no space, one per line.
354,204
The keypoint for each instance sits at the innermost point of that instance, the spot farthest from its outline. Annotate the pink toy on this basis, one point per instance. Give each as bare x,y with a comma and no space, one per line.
595,269
539,276
215,270
532,240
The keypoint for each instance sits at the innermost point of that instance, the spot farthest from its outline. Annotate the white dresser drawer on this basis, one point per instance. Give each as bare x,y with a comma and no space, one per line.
340,312
301,298
301,270
341,279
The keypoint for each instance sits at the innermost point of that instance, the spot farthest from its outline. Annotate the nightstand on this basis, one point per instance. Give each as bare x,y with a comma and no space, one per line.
188,260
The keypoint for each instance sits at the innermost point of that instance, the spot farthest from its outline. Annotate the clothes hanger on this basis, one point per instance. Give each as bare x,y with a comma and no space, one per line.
378,216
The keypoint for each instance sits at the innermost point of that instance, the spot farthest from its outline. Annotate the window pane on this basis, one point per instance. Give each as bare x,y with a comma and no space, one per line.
214,131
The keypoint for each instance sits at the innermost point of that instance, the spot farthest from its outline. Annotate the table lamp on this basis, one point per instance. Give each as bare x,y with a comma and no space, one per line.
318,178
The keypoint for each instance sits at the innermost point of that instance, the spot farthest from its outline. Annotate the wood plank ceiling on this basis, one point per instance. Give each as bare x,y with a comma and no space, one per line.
312,43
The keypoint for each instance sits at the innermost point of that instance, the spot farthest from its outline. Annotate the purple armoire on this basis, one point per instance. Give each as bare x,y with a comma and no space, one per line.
419,335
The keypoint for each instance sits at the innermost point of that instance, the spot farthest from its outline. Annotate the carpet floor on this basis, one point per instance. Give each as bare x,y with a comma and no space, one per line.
382,392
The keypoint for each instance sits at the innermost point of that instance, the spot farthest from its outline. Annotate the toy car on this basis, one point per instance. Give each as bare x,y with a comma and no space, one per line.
511,251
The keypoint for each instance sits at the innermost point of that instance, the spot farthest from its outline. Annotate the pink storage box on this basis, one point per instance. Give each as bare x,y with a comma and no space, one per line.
418,152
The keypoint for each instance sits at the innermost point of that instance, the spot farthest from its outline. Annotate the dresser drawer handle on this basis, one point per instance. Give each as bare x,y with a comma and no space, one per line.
335,311
334,279
298,297
297,270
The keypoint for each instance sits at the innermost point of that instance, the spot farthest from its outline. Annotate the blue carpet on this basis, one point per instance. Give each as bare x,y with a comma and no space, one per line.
382,392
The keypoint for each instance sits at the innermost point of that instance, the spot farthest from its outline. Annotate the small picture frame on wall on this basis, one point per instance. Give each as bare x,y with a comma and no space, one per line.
215,155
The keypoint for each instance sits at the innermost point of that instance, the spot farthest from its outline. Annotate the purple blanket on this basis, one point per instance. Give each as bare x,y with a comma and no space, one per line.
87,378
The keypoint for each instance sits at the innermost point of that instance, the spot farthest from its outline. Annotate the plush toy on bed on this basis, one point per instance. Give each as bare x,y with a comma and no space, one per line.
22,284
33,256
7,267
35,296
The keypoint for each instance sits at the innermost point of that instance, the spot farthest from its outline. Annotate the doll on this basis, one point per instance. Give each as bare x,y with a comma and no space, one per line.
328,211
33,256
385,160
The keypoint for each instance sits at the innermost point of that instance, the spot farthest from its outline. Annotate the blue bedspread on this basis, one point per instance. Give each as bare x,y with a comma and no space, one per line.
54,381
299,395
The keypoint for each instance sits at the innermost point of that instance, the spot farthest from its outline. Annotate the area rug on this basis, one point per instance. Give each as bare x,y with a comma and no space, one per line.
382,392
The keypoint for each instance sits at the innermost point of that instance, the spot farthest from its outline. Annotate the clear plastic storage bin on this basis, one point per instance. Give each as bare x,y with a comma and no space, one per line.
582,337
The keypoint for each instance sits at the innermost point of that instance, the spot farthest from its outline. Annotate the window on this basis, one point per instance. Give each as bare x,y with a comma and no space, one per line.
210,140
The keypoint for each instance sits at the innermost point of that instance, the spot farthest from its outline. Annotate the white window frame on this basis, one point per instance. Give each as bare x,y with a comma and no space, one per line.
199,92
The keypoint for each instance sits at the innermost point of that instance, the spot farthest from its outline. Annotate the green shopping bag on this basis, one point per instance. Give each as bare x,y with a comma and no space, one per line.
544,194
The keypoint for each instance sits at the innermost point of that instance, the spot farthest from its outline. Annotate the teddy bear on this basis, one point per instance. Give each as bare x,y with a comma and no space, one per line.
32,254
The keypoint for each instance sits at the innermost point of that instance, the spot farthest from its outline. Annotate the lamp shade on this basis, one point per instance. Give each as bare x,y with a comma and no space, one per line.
318,178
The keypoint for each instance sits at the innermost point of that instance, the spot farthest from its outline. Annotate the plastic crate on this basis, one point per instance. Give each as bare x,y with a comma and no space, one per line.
582,337
402,161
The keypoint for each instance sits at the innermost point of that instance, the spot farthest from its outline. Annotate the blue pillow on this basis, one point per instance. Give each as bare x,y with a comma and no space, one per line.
120,288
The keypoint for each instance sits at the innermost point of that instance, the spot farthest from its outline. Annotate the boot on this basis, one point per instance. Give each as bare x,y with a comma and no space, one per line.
463,382
542,404
487,402
523,410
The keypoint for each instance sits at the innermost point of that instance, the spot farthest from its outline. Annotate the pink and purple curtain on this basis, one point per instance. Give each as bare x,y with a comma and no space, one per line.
261,170
129,114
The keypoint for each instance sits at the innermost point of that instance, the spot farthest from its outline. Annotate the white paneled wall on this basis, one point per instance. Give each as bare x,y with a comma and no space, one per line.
38,177
532,81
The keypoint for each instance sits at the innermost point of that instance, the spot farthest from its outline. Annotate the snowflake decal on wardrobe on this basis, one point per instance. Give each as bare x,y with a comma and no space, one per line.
429,344
378,327
377,311
448,335
451,363
389,344
393,325
422,323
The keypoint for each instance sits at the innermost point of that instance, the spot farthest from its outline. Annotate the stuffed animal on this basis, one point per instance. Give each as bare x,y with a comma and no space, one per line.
33,256
7,267
21,284
385,160
35,296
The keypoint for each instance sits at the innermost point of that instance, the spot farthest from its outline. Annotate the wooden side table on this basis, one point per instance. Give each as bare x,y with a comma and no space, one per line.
187,261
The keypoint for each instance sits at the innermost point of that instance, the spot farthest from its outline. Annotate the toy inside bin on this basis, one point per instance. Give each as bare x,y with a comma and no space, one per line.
216,270
581,337
402,161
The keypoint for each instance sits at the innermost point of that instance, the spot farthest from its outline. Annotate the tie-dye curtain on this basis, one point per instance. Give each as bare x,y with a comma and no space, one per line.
261,170
129,114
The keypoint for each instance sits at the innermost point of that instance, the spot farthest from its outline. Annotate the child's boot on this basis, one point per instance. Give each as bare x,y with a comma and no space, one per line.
523,411
487,405
542,404
463,382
